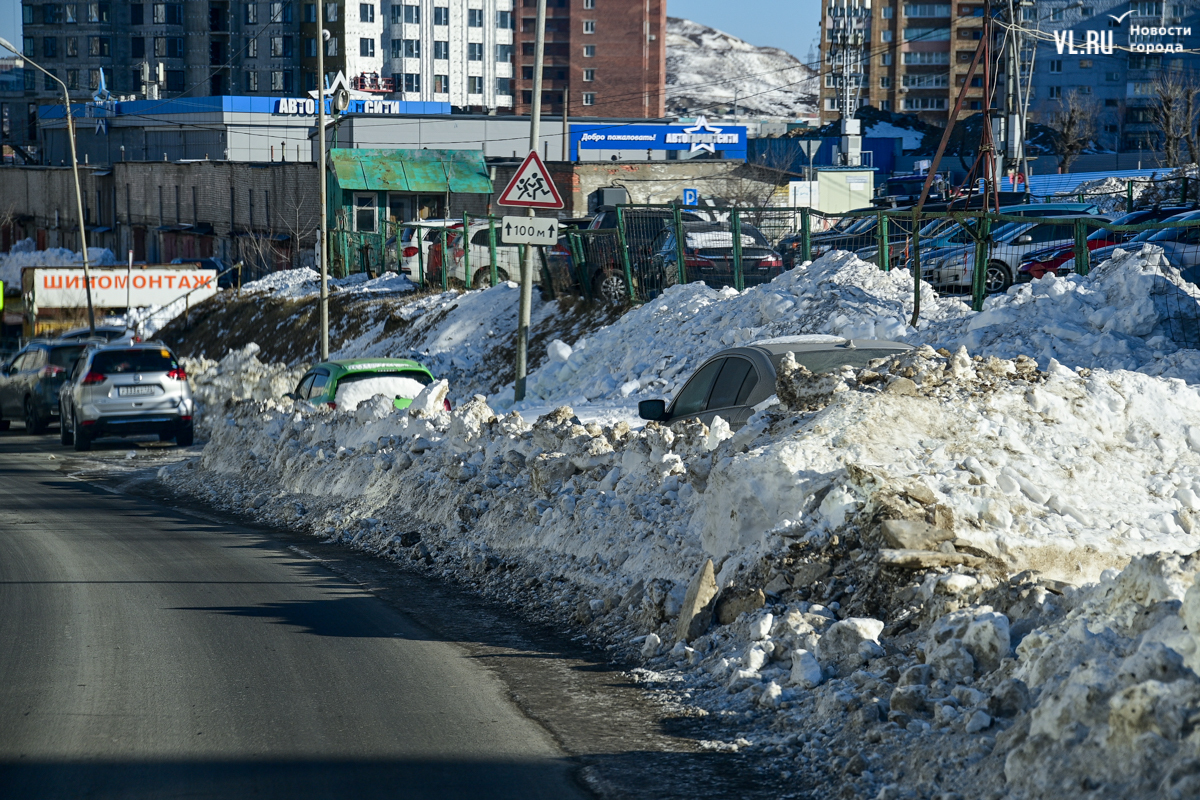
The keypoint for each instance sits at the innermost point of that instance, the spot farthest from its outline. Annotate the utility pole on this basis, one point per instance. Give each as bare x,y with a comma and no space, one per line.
848,57
535,120
323,236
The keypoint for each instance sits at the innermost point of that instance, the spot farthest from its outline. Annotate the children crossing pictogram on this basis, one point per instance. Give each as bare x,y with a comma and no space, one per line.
531,187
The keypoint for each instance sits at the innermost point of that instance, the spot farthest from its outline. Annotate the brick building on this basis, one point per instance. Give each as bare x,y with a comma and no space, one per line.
610,55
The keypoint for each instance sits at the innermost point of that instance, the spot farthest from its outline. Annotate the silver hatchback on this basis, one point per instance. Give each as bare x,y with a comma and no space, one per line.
126,390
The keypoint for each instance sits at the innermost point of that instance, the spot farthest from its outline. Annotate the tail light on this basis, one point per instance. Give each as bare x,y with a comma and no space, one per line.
446,404
136,339
331,404
177,374
51,370
767,263
458,253
183,418
410,252
93,378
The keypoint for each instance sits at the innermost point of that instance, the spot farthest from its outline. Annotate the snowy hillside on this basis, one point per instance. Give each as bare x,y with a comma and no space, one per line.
706,68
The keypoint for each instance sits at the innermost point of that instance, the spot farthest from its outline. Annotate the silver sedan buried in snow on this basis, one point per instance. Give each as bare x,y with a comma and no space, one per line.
732,382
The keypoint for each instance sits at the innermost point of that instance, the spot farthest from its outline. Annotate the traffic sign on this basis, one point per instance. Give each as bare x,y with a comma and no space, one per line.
529,230
691,197
531,187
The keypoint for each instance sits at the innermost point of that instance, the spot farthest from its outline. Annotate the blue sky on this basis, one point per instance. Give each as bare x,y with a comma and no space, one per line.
788,24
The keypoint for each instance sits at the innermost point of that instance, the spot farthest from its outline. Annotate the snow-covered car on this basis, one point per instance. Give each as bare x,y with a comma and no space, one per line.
126,390
346,383
732,382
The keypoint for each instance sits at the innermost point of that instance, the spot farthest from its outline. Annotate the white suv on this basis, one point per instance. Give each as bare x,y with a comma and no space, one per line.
126,390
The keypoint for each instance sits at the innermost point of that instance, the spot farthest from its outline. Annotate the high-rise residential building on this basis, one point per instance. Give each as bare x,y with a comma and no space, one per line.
609,55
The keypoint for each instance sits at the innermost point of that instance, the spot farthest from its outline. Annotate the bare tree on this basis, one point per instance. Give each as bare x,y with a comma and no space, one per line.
1174,110
1075,124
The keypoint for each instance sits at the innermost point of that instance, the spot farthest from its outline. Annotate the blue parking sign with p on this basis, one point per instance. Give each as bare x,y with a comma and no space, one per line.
691,197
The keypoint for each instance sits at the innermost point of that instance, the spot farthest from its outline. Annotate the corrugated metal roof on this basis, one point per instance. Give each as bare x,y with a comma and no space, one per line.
457,171
1068,182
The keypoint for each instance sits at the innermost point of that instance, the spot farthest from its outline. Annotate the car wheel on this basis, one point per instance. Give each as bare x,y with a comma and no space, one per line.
65,434
185,436
998,278
83,440
33,423
609,288
483,278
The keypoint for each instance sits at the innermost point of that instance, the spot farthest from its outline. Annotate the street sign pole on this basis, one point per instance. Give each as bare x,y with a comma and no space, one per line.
535,119
323,236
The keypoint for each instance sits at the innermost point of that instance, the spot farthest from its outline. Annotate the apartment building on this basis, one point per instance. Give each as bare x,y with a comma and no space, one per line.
609,56
906,57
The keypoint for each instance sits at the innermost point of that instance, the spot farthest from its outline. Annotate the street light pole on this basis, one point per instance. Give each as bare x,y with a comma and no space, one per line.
87,275
324,233
535,120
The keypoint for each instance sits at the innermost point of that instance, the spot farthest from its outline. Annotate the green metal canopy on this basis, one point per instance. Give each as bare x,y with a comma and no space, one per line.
455,171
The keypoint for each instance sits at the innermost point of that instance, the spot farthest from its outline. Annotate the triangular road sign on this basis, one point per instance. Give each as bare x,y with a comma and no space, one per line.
531,187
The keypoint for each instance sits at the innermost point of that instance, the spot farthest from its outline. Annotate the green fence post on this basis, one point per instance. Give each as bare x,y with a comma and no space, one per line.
419,232
982,234
805,234
1128,196
885,246
1081,248
624,252
492,248
466,251
680,244
576,247
445,260
739,277
916,269
547,282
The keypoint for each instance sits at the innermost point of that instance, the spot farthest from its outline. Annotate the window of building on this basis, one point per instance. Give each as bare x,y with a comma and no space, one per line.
885,105
886,59
927,34
331,46
251,81
889,12
504,52
97,12
1085,63
281,12
474,17
50,47
830,104
310,47
48,83
589,99
250,15
412,48
168,47
589,75
72,46
1148,8
137,47
589,50
504,20
281,81
974,34
1055,66
885,36
926,10
174,80
504,86
412,14
925,81
137,14
412,82
1087,11
252,48
925,103
331,12
1084,89
885,82
72,78
441,15
1055,92
1028,14
441,84
970,11
72,11
589,26
1110,102
364,213
366,12
441,50
26,19
168,14
928,58
589,3
366,47
474,84
474,51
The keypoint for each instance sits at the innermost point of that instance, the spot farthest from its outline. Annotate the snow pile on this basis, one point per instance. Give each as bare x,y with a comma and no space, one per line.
835,573
24,255
237,376
300,283
700,61
1164,188
351,394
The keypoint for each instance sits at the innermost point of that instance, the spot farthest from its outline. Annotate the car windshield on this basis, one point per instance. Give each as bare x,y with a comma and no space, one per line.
65,356
938,226
356,387
818,361
118,362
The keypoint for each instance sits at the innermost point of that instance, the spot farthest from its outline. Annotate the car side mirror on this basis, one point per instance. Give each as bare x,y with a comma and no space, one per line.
1024,239
652,409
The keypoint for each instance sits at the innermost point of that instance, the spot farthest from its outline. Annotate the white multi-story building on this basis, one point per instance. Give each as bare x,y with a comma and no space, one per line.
446,51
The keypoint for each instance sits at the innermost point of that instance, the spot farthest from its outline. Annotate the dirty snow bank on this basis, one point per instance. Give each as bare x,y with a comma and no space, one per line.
833,581
296,284
237,376
1125,315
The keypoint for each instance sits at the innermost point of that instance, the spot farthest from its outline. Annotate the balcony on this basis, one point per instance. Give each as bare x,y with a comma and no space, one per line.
371,82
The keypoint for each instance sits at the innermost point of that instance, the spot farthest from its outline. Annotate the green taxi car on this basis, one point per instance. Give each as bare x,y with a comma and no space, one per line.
345,384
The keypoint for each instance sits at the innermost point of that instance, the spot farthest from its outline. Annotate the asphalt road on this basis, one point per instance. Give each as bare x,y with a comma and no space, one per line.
148,652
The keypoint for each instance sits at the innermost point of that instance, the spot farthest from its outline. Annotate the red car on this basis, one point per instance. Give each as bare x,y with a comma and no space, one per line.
1039,263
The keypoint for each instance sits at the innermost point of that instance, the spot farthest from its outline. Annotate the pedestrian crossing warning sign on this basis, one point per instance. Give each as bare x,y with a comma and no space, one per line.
531,187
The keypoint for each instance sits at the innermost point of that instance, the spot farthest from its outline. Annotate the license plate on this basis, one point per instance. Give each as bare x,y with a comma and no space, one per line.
133,391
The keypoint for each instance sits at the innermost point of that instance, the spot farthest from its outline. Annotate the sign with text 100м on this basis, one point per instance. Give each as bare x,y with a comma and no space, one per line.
529,230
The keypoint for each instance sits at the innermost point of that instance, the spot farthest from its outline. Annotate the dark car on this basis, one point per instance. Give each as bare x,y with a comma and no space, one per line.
29,383
1060,259
730,383
708,255
643,231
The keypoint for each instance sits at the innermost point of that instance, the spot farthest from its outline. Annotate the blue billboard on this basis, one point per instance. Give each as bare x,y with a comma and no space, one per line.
727,140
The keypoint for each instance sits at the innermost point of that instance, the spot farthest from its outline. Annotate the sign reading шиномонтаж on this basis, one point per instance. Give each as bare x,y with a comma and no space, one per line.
115,287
